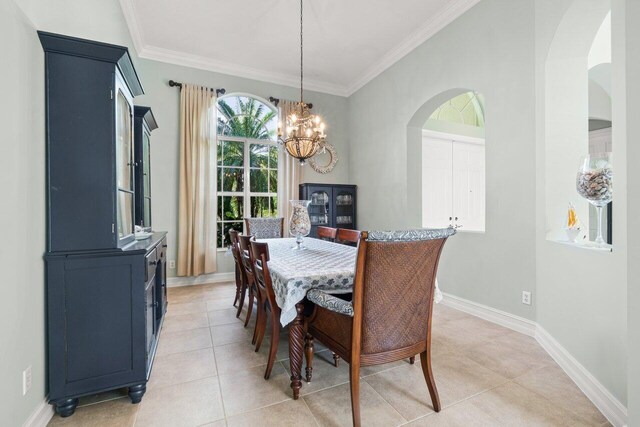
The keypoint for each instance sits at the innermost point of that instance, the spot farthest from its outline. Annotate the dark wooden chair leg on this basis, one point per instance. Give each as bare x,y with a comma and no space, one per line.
354,377
256,329
250,307
425,359
275,338
308,352
336,359
238,287
412,360
261,326
243,294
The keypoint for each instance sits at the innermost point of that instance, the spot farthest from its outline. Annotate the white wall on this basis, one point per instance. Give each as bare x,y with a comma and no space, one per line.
580,297
629,21
22,329
491,268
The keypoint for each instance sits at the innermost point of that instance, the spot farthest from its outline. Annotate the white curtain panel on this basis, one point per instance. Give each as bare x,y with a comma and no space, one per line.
290,173
197,200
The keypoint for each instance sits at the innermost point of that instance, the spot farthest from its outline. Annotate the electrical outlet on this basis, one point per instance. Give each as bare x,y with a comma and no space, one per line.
26,380
526,297
172,263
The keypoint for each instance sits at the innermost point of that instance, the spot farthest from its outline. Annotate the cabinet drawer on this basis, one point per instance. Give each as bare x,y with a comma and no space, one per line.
150,265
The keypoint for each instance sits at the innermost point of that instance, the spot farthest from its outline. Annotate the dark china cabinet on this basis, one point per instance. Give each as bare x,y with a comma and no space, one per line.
332,205
144,124
106,291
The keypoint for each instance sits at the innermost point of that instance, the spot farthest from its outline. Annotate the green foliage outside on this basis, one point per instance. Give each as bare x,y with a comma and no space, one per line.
246,118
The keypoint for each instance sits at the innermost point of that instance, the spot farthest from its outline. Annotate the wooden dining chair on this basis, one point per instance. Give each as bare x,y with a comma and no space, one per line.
327,233
265,228
241,278
244,244
260,254
347,237
390,316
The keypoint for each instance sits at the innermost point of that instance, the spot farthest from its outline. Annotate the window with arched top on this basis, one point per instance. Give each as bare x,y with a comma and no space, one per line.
464,109
247,162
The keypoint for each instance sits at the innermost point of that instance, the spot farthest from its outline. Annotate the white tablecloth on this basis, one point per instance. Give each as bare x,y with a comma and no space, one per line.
323,265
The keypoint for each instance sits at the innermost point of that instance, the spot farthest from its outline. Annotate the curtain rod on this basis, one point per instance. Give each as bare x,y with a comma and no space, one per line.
276,101
174,83
222,91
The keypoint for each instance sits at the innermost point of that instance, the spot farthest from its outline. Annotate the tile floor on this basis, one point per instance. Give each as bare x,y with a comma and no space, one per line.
206,373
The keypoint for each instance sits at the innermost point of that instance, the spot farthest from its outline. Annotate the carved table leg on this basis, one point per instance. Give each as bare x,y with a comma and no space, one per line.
296,342
66,407
412,360
136,392
308,350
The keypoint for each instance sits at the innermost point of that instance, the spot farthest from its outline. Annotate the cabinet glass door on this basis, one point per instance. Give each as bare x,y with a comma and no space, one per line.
146,180
319,208
344,209
124,160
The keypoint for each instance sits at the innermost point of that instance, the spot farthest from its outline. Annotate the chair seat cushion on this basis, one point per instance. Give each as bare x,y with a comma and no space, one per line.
330,302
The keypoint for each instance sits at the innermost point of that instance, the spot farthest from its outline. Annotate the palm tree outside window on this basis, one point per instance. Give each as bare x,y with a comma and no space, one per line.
247,168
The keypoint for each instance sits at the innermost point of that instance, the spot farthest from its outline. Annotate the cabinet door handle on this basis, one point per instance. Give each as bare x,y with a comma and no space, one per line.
153,262
164,246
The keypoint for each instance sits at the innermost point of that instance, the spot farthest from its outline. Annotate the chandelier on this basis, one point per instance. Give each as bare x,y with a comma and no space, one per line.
303,134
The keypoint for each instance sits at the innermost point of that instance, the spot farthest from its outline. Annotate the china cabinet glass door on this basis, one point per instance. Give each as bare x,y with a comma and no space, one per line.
319,208
146,178
344,209
124,160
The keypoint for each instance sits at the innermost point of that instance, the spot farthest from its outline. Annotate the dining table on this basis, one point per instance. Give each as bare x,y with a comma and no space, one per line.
322,265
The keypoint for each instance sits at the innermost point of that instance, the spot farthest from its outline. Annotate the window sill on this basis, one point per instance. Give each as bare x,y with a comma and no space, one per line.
590,246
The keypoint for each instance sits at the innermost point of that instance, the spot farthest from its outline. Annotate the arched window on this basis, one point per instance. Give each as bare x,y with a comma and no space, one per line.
247,162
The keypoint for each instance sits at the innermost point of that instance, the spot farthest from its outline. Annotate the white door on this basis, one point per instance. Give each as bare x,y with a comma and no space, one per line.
437,189
468,186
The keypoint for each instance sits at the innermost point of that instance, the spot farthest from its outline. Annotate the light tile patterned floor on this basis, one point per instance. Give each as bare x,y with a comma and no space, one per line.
206,373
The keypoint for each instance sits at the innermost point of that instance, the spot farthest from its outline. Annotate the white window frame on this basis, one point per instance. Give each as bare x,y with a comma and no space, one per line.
246,194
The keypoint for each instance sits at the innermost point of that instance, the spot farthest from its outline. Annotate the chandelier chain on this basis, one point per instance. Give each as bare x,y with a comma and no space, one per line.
301,53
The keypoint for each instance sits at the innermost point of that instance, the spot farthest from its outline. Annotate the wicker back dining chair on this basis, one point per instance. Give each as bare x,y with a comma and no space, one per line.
260,253
327,233
244,245
347,237
390,316
241,277
265,228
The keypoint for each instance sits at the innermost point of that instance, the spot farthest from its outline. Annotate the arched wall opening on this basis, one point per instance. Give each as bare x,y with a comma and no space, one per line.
568,110
453,165
582,292
415,129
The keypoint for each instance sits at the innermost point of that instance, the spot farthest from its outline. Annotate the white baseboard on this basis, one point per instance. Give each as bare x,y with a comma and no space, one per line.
200,280
508,320
41,416
610,407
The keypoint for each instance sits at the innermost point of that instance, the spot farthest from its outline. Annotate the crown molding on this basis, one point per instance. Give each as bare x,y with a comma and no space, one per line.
453,10
204,63
129,12
422,34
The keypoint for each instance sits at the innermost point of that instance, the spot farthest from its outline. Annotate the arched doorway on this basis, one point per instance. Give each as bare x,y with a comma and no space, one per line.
446,140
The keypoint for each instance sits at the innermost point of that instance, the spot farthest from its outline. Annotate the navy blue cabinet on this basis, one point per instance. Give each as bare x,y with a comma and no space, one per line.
106,291
332,205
